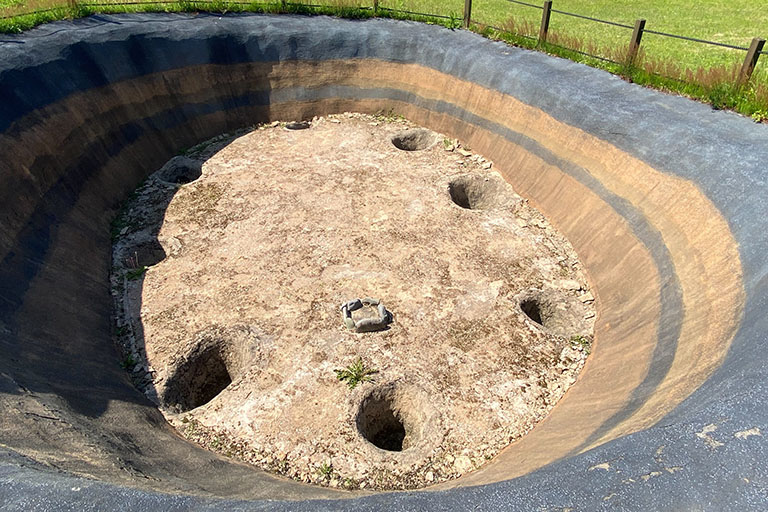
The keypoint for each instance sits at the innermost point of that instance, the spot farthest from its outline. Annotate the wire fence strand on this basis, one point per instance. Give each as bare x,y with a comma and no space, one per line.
441,16
696,40
613,23
526,4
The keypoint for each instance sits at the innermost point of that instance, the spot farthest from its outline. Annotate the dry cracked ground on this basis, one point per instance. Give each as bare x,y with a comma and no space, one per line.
231,263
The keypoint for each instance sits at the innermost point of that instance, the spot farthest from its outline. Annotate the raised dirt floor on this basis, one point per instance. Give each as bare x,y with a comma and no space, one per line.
231,264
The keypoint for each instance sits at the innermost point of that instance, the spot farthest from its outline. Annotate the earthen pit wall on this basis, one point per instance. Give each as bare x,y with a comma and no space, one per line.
653,245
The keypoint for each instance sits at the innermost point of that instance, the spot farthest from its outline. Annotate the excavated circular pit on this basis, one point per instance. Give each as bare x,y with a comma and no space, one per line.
459,195
414,140
198,379
180,170
383,423
663,238
146,254
532,310
477,192
298,125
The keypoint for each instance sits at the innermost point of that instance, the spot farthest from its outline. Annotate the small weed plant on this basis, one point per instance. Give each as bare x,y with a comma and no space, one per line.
132,261
117,225
127,363
326,470
581,341
454,20
388,116
136,273
356,373
760,116
350,483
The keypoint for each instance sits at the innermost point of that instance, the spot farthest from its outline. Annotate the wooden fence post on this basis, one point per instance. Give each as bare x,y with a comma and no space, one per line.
634,45
376,7
751,61
467,13
546,13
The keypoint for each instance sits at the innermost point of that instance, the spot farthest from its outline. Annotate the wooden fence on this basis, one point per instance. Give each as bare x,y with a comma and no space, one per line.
754,50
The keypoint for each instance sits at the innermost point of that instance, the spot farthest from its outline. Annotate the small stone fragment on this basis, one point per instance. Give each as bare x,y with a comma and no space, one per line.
570,285
462,464
353,305
174,245
368,325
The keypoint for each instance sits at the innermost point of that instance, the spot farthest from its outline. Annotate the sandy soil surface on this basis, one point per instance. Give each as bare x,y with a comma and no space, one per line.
231,264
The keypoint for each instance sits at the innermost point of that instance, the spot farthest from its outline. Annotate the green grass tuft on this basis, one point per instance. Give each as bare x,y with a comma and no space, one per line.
356,373
326,470
582,341
136,273
128,363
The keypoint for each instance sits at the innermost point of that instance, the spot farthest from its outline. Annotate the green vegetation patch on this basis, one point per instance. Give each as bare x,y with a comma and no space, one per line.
356,373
